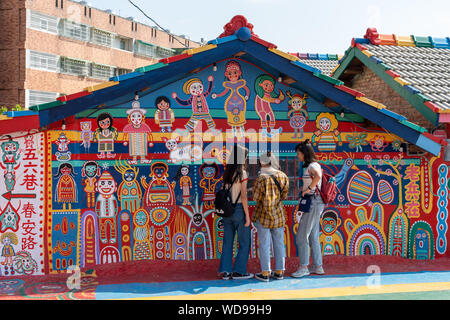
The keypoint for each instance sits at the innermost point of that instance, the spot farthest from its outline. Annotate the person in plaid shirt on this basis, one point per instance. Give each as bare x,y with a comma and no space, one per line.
269,216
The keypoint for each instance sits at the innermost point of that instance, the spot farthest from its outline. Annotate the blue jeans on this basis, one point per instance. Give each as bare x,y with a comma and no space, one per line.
308,233
265,236
231,226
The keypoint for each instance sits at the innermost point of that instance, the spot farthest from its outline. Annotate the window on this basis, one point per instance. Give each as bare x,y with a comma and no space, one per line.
74,66
74,30
164,52
44,61
145,49
289,165
101,37
43,22
121,71
99,71
34,98
123,43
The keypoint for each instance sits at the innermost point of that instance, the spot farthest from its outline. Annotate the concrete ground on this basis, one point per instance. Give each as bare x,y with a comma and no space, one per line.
346,278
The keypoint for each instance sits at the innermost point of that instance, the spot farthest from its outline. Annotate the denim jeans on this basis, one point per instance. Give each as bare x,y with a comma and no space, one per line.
231,226
308,233
265,236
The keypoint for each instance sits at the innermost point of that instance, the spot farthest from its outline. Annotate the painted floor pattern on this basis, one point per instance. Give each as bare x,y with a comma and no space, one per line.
433,284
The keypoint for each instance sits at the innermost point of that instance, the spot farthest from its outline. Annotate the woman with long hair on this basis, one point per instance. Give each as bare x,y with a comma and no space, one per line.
236,176
308,231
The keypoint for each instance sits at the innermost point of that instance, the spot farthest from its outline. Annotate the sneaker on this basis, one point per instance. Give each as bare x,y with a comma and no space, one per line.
226,275
276,276
239,276
301,272
260,277
317,270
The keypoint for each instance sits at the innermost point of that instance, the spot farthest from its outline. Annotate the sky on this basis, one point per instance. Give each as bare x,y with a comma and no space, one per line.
313,26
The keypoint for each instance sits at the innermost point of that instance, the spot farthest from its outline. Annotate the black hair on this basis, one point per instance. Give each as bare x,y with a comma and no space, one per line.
178,175
65,165
236,164
104,116
306,148
162,98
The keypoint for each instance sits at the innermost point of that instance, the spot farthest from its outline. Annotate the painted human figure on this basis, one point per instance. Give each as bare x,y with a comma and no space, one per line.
105,135
86,134
137,133
236,103
185,184
63,143
327,134
129,192
159,191
66,188
90,172
200,110
106,206
10,180
331,240
297,115
265,95
142,248
8,239
210,178
164,115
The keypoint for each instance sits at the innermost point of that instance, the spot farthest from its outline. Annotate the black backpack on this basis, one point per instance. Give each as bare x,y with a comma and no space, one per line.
223,202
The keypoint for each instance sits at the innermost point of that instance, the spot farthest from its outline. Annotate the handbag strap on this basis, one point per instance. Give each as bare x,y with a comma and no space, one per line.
278,185
231,186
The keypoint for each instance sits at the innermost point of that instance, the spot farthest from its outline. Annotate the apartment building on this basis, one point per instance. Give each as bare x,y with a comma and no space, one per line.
50,48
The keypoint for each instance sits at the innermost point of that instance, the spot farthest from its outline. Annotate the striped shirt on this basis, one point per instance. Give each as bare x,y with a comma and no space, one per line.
269,210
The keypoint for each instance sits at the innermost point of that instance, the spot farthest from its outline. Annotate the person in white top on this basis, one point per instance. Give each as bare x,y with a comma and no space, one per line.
307,237
236,176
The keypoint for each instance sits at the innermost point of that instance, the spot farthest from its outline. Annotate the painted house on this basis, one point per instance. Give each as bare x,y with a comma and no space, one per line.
128,169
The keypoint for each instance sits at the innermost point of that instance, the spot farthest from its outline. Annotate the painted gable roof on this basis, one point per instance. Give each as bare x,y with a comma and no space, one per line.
417,68
241,43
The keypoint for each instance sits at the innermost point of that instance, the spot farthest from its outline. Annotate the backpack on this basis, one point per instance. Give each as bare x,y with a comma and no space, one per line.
224,206
328,190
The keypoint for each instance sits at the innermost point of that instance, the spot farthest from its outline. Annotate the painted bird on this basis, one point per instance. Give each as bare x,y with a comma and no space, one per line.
342,174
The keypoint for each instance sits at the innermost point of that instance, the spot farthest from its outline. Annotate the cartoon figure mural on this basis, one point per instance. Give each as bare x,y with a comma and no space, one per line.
265,95
63,153
200,110
185,184
164,115
8,239
90,172
331,239
326,134
142,249
106,207
137,132
86,134
297,115
105,135
129,192
11,155
236,103
66,188
209,172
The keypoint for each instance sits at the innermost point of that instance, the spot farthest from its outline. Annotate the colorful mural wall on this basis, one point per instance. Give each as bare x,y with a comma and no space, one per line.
137,181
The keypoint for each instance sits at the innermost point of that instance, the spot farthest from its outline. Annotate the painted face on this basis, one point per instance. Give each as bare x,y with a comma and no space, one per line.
163,105
106,186
328,225
136,118
160,172
105,123
184,171
297,103
233,74
91,170
85,125
6,241
267,86
196,89
66,170
171,144
209,172
198,218
10,147
140,218
325,124
129,175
